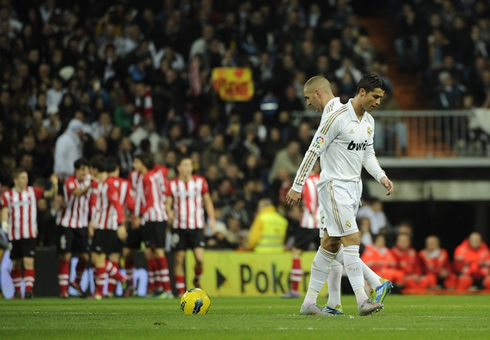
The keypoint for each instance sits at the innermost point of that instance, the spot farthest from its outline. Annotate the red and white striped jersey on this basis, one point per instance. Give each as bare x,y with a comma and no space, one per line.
311,213
109,212
133,179
151,194
76,212
188,202
126,196
22,208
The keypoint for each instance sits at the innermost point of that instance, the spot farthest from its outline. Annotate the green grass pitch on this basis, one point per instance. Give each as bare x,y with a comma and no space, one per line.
404,317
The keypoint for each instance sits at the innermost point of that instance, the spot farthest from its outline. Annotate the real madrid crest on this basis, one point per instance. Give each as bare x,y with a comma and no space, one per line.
369,130
347,224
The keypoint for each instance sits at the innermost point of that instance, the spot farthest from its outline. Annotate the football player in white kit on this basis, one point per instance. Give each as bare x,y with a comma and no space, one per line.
344,143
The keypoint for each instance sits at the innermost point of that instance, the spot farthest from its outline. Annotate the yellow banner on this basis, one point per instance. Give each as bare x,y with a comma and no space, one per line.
229,273
233,83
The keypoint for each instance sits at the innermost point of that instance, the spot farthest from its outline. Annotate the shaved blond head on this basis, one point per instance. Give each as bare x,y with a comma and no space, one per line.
317,83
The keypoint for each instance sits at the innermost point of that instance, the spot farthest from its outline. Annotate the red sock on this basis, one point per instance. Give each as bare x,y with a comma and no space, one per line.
197,276
63,276
29,278
16,276
100,277
112,268
163,273
129,268
157,276
79,269
296,275
151,275
180,283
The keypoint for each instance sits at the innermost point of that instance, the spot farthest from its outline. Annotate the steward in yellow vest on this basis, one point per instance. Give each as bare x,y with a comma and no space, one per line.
268,230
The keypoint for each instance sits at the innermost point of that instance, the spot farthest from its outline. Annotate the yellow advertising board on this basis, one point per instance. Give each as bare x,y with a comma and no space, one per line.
233,83
229,273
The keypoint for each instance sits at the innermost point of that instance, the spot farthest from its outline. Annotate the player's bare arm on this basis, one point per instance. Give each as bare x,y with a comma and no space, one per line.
208,204
385,181
54,187
5,217
170,210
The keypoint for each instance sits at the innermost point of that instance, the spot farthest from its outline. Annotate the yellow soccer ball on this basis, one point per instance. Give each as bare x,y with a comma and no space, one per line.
195,302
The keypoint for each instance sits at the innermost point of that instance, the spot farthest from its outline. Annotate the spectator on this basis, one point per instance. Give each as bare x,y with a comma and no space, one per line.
436,265
268,230
408,263
470,263
382,261
289,158
68,148
146,131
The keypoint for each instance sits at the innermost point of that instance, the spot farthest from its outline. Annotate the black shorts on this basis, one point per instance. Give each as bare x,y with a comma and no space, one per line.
305,238
134,238
104,241
71,240
153,234
183,239
23,248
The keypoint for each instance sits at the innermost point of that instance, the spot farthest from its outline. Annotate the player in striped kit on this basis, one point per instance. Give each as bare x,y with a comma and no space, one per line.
72,223
187,198
134,239
344,143
107,224
309,233
19,221
127,201
153,218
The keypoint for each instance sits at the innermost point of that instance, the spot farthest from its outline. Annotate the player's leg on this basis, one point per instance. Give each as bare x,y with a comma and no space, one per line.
163,273
29,276
147,235
112,267
64,245
296,273
99,245
334,280
199,267
81,249
16,271
196,243
179,271
29,252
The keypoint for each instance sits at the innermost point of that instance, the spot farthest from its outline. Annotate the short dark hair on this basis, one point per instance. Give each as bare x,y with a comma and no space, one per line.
147,159
111,164
99,163
81,162
182,157
17,172
371,81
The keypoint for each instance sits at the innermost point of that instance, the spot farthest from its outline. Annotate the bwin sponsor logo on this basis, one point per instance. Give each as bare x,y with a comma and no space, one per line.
357,146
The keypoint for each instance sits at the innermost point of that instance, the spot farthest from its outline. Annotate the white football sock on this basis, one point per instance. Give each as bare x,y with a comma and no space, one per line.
334,283
319,274
371,277
353,268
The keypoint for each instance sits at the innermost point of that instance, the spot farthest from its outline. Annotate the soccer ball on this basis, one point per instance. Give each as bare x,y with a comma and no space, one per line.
195,302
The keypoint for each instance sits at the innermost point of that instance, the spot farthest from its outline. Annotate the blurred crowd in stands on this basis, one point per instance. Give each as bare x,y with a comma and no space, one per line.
121,77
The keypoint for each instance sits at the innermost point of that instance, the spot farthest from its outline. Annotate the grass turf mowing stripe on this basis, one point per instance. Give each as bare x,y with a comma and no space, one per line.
404,317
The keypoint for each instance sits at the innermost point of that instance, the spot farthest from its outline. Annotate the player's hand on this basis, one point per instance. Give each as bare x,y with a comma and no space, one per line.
385,181
54,178
122,233
293,197
91,229
136,223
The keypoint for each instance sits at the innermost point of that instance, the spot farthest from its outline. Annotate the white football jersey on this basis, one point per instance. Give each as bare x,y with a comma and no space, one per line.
344,144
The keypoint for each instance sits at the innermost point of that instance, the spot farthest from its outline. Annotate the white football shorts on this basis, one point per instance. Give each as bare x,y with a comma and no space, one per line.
339,203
